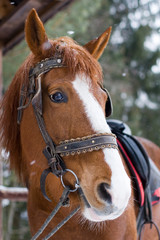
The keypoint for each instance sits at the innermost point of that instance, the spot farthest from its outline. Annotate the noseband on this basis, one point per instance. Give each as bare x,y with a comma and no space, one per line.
53,152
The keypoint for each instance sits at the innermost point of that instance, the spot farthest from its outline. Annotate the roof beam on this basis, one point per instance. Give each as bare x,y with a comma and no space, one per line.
12,27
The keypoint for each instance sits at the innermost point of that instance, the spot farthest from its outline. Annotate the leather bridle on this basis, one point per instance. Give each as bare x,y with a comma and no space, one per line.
52,152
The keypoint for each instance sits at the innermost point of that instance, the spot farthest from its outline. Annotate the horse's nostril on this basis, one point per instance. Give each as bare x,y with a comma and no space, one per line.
103,192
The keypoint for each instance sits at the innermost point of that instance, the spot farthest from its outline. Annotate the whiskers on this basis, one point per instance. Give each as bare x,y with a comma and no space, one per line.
96,227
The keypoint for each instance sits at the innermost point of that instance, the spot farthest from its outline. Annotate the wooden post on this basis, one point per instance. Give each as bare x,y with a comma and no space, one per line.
1,164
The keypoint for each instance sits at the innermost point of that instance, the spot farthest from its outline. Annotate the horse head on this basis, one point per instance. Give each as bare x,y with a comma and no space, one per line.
74,106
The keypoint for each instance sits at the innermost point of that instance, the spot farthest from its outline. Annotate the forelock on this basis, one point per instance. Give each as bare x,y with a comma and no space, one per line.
76,58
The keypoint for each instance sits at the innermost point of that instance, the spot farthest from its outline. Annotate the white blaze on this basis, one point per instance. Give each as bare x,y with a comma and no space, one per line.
120,183
93,109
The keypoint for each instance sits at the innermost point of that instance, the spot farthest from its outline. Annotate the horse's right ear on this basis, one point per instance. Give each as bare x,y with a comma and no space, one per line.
35,33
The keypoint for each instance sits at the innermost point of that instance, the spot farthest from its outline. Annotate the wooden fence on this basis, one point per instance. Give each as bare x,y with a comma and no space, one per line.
12,194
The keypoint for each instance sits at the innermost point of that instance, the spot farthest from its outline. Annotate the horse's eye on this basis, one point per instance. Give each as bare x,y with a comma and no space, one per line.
58,97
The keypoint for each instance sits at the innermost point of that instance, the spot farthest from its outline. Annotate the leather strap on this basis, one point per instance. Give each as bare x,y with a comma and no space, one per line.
86,144
54,160
43,182
22,100
40,68
45,66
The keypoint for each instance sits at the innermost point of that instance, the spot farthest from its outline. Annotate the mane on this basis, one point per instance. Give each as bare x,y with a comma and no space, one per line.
75,57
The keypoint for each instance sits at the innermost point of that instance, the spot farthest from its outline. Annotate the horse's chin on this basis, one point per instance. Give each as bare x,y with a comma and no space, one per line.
109,213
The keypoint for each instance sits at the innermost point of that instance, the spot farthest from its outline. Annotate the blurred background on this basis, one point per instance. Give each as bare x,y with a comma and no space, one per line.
131,68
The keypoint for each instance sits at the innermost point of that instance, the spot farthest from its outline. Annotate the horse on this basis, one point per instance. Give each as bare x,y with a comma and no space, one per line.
61,105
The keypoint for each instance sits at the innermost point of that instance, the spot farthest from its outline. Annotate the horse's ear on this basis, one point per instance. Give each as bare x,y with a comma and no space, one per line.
35,33
97,46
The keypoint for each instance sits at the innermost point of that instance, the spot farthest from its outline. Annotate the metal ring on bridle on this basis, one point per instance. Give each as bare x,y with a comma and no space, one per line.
77,181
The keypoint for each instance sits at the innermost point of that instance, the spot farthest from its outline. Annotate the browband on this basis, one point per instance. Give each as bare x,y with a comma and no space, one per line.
45,66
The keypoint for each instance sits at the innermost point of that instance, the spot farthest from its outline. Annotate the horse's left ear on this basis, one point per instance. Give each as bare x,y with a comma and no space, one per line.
97,46
35,33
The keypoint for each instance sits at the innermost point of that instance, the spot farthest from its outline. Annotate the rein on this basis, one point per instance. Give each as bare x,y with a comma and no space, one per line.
55,153
53,213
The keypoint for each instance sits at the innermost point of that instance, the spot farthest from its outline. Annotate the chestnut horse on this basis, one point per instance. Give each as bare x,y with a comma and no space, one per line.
67,101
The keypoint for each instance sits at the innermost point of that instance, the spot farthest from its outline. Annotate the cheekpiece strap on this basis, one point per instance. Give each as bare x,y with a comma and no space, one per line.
40,68
22,100
86,144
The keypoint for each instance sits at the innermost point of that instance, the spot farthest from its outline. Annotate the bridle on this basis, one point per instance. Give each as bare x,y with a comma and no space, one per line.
53,152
